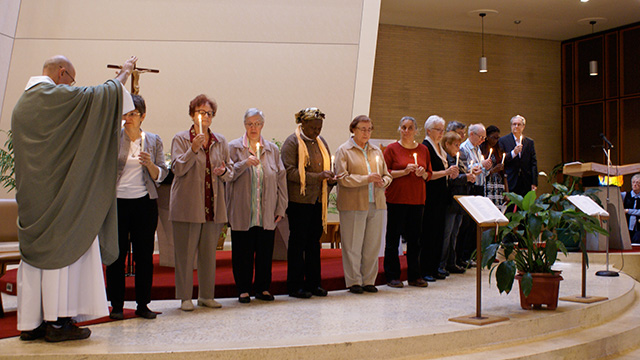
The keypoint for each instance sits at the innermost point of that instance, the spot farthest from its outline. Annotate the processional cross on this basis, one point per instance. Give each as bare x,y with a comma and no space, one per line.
135,76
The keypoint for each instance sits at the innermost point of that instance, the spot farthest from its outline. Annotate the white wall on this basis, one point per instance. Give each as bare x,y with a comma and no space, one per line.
277,55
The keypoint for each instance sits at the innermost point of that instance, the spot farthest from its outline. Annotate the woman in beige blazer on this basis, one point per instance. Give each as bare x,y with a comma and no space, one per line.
200,164
256,202
362,177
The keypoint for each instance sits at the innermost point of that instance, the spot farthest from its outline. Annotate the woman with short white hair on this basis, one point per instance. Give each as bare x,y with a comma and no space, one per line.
436,200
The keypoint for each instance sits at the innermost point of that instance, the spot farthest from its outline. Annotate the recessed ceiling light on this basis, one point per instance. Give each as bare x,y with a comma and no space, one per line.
584,0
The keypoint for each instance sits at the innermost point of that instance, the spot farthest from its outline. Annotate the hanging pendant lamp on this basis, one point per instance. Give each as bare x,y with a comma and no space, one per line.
483,59
593,64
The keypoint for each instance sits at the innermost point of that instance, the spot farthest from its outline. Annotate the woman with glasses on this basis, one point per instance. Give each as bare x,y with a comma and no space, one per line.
362,178
431,239
141,168
495,184
256,202
200,164
306,158
410,166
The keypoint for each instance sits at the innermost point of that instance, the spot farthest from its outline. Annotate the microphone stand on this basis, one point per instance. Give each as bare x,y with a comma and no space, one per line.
609,273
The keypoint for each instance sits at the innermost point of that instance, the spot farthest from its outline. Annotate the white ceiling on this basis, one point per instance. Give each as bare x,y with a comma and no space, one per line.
541,19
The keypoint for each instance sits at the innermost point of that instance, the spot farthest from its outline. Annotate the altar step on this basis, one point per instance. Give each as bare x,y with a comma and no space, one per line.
608,330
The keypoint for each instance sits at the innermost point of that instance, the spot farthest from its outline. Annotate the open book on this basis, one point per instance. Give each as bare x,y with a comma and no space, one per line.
587,206
482,210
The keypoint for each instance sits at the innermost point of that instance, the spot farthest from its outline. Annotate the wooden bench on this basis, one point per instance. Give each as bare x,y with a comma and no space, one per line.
9,251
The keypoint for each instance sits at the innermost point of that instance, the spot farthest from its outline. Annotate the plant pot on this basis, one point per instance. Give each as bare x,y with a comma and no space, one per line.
544,291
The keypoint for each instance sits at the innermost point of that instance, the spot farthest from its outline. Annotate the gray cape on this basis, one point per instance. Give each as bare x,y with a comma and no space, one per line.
66,148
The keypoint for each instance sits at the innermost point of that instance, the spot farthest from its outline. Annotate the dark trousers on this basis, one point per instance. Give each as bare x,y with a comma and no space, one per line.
137,222
303,253
247,246
406,221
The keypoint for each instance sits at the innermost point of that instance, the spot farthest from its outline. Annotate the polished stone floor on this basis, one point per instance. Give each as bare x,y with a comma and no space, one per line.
338,318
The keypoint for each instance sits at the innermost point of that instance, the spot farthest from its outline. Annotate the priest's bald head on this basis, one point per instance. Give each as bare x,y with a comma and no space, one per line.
60,70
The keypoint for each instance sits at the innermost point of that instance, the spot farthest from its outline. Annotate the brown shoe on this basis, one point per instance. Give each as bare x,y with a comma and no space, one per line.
419,282
395,284
34,334
67,331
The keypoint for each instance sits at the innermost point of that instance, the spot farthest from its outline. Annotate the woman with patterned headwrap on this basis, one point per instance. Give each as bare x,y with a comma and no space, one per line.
306,157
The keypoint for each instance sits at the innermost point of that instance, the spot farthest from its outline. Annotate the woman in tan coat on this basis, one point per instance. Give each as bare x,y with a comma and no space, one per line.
200,164
362,177
256,202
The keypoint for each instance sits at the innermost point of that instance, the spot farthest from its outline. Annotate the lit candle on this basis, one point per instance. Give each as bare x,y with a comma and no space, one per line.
503,155
457,158
521,139
490,152
333,166
258,150
142,136
415,158
378,164
123,121
200,121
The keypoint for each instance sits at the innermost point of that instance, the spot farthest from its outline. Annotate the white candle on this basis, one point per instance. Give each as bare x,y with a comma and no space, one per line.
521,139
142,136
378,164
457,158
200,121
415,158
258,149
503,155
490,152
333,167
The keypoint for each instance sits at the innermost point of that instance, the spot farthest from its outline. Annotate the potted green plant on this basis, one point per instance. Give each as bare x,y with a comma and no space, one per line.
530,244
7,167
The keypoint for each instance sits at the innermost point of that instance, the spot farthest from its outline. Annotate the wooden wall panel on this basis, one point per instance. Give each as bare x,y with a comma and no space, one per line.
568,134
590,124
611,65
630,61
630,129
567,73
612,129
587,87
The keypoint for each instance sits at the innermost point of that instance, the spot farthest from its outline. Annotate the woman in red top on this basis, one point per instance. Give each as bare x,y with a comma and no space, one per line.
410,166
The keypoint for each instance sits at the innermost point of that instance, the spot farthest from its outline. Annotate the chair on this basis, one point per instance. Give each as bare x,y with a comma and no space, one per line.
8,238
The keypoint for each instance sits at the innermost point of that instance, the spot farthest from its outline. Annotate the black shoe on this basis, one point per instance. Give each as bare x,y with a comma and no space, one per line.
116,315
443,272
429,278
455,269
68,330
301,294
264,297
463,264
370,289
319,291
356,289
439,276
244,299
34,334
144,312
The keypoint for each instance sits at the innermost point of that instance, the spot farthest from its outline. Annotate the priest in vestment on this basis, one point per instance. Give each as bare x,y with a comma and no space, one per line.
65,142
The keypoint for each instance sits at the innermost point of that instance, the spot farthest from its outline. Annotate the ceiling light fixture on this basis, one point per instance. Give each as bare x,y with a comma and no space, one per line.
593,64
483,59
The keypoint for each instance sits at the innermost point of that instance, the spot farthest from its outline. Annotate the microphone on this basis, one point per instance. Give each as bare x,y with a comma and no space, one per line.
604,138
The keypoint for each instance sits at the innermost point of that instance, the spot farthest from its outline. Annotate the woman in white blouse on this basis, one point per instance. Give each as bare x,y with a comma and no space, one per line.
141,168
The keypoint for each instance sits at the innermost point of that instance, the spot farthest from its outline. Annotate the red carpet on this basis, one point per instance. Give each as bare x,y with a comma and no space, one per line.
164,285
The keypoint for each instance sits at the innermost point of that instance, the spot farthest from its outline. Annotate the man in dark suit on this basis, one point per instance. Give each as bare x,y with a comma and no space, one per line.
520,163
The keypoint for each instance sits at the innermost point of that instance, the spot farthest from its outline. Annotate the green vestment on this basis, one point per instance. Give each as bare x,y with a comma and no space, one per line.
66,147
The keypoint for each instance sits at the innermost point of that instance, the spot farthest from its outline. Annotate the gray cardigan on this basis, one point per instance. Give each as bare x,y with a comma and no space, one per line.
152,145
187,190
274,193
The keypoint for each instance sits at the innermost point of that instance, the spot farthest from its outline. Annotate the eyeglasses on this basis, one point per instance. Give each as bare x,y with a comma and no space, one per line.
253,125
73,81
132,113
436,129
365,129
203,113
482,137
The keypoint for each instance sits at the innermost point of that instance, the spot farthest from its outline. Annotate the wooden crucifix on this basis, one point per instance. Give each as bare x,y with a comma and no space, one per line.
135,76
